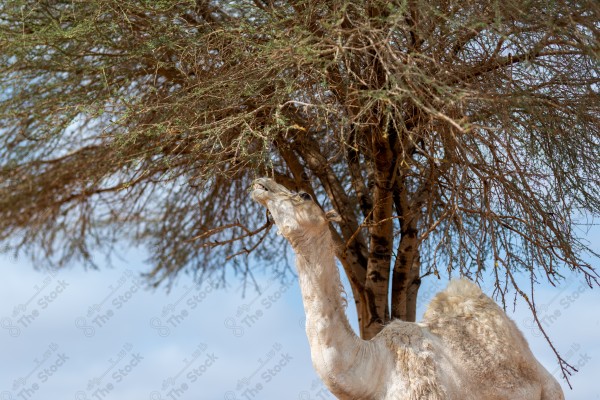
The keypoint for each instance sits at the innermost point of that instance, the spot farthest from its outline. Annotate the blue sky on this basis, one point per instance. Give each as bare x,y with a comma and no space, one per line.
92,335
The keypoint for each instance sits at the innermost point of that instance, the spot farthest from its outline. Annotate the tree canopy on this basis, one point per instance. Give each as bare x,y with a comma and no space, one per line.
450,135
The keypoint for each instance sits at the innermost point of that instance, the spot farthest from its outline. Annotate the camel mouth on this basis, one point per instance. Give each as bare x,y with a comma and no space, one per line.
260,190
267,187
258,186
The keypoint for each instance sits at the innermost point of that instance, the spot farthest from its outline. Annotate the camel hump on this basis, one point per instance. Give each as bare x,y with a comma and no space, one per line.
463,288
462,298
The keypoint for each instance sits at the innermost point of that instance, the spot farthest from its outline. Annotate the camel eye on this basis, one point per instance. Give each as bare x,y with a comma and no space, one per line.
305,196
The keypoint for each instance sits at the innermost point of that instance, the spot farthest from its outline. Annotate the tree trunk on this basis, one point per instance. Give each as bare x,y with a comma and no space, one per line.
381,232
406,276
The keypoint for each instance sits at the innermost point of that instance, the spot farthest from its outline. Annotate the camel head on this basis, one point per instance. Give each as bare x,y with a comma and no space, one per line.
295,214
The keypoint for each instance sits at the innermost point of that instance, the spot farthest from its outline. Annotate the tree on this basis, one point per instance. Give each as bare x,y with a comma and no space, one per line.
450,136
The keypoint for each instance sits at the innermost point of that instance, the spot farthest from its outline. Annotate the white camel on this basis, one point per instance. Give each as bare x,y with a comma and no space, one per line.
466,347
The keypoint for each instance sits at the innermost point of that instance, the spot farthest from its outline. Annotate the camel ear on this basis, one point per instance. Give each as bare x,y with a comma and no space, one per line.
333,215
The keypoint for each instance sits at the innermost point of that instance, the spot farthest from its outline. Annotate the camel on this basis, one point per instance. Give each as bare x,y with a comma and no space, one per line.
465,348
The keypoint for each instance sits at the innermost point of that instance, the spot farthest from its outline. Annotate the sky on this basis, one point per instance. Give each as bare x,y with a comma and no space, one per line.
102,334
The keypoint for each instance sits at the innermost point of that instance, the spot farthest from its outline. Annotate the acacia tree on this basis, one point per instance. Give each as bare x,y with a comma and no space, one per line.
450,135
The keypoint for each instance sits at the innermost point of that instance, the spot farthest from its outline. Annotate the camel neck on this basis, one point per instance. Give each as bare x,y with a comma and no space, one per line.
320,283
336,350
